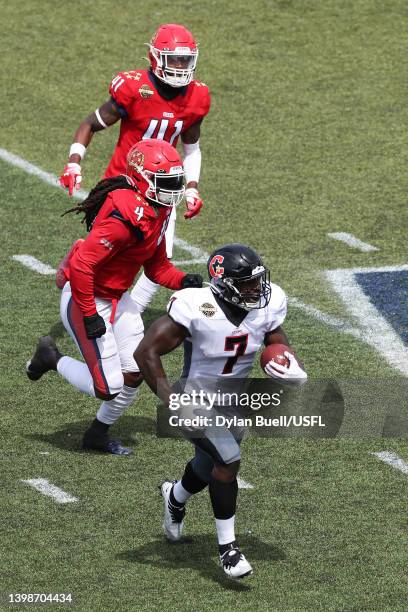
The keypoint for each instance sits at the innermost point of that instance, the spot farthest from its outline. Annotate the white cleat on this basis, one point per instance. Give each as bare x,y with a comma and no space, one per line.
234,563
173,515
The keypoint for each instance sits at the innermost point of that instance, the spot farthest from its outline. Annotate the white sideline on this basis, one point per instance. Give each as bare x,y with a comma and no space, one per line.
393,460
244,485
46,488
352,241
199,256
375,329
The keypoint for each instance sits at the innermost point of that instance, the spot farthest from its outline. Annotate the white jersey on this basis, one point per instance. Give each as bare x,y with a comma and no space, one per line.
216,347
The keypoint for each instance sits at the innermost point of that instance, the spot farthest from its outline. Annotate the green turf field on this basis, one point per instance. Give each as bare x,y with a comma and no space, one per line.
306,136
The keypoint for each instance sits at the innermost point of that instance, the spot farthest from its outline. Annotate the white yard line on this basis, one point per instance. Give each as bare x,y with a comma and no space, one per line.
47,488
393,460
244,485
34,264
352,241
198,255
375,329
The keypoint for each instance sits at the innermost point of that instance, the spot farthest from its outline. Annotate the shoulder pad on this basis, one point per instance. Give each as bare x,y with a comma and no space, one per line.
202,95
124,87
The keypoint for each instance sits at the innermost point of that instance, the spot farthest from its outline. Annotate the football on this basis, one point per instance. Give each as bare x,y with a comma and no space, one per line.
275,352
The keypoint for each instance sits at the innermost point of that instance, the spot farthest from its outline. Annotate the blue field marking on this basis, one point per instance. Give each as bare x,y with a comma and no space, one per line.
376,299
388,292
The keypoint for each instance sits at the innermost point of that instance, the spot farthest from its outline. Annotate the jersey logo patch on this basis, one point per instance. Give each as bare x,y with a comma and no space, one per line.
207,309
215,269
146,91
106,243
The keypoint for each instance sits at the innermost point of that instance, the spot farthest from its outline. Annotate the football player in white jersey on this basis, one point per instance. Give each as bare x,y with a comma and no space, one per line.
222,326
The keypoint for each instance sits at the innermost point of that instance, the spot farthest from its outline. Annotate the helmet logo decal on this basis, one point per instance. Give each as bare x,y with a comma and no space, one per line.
214,267
137,161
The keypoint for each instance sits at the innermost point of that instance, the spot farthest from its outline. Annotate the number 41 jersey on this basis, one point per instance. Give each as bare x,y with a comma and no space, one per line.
216,347
147,114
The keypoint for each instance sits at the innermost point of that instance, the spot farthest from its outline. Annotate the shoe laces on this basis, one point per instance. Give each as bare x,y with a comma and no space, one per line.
231,557
177,513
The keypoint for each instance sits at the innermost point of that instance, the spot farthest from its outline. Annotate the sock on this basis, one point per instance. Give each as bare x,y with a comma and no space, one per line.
182,495
224,502
225,532
187,486
77,374
110,411
143,292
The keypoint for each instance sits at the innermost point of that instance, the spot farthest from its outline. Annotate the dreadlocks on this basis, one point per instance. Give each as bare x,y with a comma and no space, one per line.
93,203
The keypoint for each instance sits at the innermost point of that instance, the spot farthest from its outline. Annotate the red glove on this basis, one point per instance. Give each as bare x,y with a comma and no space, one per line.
71,177
194,203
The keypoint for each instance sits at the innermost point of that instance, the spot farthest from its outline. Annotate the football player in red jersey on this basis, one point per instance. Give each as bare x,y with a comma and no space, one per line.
126,217
163,102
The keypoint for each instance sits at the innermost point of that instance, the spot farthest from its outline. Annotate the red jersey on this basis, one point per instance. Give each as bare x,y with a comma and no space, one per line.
127,233
149,115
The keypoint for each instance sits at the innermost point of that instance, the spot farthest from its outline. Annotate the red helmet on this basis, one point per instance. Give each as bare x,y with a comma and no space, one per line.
173,55
157,169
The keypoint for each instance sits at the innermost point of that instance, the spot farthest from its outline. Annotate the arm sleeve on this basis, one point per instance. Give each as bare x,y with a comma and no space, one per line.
159,269
103,242
179,310
192,161
277,308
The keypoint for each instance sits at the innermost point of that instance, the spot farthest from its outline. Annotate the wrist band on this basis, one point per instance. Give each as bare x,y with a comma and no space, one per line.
78,149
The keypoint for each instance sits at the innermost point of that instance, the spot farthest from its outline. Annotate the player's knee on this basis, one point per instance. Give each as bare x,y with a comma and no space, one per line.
106,397
114,381
226,472
132,379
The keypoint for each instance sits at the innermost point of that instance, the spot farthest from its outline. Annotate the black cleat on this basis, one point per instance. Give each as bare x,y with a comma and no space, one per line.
45,358
104,444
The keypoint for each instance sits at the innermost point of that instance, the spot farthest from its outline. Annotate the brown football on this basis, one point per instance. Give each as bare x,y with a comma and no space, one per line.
275,352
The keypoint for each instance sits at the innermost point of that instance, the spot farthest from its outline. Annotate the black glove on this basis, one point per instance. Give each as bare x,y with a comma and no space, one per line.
192,280
94,326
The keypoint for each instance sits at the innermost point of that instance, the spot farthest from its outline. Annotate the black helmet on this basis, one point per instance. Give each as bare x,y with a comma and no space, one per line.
233,269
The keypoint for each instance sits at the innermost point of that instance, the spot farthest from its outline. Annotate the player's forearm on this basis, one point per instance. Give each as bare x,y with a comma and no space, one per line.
192,163
83,136
164,273
153,372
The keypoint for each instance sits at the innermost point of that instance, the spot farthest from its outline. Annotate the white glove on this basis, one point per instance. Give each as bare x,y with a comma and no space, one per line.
292,374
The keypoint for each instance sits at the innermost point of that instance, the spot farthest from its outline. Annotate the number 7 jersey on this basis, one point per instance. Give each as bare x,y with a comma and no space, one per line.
147,114
216,347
